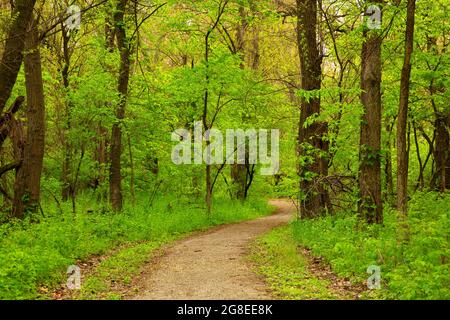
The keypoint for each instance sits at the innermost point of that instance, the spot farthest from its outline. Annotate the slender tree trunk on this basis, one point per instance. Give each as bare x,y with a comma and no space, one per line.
208,182
115,175
315,197
103,138
28,176
239,171
370,205
208,195
13,49
208,185
388,161
402,156
421,180
132,190
442,153
255,54
66,191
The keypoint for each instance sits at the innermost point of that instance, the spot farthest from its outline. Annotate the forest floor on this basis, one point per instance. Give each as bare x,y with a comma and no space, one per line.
212,265
251,260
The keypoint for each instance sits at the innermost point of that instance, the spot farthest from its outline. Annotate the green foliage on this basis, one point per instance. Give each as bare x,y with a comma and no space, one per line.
34,255
168,78
415,269
285,269
117,270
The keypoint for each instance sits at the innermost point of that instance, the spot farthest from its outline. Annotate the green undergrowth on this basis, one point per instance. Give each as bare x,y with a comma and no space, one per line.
414,269
36,255
112,278
286,270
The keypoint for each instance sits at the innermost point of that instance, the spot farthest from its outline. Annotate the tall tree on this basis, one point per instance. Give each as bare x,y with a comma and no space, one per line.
402,156
370,205
68,189
28,176
209,185
115,178
440,179
242,174
311,143
239,171
14,46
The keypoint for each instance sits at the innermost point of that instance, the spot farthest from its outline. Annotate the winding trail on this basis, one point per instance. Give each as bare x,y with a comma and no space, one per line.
212,265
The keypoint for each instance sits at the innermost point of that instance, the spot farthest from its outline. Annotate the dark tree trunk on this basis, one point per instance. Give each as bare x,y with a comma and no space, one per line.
68,189
28,176
115,175
420,180
370,205
440,178
315,197
442,153
10,126
239,171
102,158
388,161
402,155
239,179
103,137
13,49
206,126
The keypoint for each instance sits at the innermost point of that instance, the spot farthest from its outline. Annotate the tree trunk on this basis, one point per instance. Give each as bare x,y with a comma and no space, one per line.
67,187
370,205
115,175
28,176
239,171
132,189
442,153
208,185
402,155
388,161
101,154
208,182
13,49
420,180
315,197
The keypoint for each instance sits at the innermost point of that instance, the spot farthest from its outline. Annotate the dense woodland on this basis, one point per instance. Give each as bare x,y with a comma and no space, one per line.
89,101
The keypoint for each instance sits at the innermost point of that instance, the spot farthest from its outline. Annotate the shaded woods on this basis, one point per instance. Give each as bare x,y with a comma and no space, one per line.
358,91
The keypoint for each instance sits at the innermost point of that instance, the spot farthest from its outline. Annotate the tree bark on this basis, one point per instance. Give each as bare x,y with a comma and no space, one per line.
68,189
388,161
132,188
315,197
402,155
442,153
239,171
206,126
370,205
115,175
13,49
420,180
28,175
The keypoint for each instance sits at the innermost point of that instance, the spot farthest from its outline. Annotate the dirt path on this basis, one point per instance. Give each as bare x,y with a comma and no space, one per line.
212,265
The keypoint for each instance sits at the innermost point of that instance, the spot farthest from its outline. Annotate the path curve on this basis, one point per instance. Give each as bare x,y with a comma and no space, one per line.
212,265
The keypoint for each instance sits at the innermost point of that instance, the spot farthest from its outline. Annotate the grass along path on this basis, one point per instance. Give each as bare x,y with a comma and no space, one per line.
154,270
292,273
220,263
212,265
109,253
